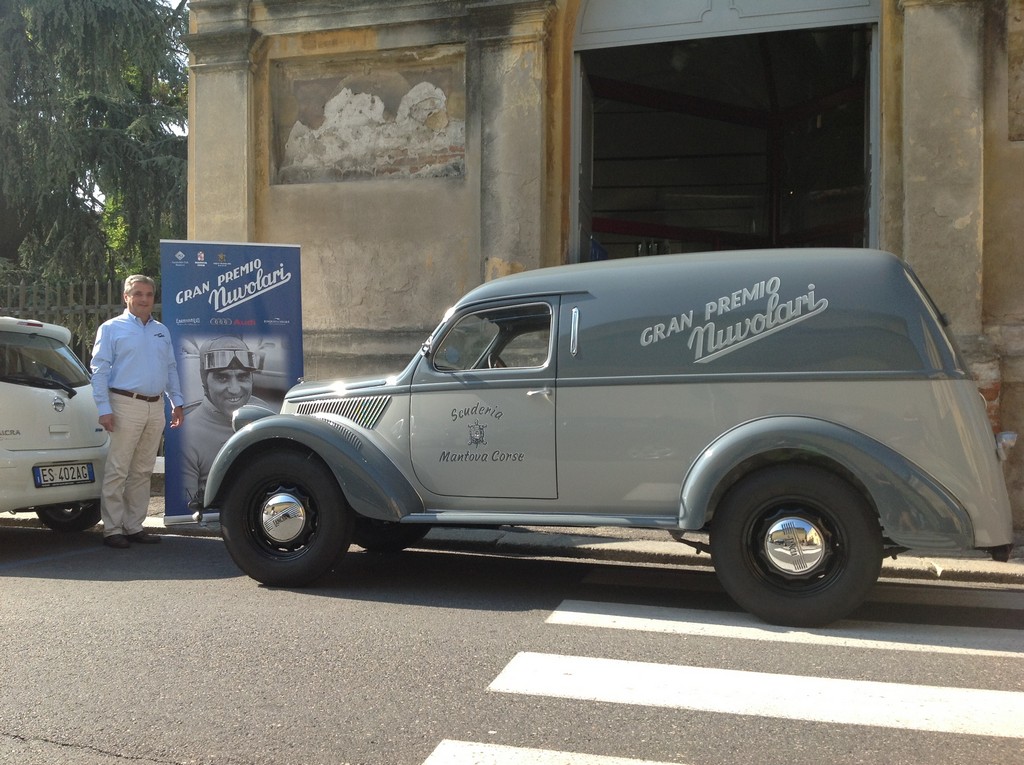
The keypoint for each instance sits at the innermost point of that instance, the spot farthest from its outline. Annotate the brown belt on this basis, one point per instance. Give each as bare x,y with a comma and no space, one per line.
139,396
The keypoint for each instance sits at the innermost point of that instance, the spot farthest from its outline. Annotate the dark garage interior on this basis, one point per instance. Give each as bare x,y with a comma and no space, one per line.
728,142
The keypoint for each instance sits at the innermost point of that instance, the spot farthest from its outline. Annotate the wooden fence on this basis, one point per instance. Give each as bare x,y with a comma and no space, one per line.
79,306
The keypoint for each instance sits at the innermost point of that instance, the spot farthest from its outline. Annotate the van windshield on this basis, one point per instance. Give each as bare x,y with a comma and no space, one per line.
39,362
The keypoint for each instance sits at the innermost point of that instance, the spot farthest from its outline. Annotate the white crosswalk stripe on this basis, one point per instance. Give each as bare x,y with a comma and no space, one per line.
469,753
852,702
849,634
963,596
890,705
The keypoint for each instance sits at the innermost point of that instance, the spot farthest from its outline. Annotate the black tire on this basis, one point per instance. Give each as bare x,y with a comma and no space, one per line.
285,520
384,537
70,518
795,507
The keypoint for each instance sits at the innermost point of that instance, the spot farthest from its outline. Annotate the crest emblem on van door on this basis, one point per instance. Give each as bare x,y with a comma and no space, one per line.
476,434
58,404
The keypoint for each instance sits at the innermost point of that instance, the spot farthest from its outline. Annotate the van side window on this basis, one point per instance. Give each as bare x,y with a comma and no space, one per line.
508,337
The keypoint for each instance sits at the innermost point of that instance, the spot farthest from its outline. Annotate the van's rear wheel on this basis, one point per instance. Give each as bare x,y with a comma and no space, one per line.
285,521
796,545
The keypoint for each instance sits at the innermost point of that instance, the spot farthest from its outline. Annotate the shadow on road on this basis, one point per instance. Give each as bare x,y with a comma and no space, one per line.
40,553
481,581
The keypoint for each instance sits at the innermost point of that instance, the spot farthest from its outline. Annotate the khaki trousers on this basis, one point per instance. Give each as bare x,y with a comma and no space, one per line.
127,477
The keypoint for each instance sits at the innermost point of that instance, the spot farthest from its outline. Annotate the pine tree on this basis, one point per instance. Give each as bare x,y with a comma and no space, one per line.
93,109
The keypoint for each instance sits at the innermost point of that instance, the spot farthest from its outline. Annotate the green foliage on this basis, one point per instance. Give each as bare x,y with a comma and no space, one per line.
93,159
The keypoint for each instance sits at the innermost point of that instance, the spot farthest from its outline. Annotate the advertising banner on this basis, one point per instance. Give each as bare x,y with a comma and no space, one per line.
235,315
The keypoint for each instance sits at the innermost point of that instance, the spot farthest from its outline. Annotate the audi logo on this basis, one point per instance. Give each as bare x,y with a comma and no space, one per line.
221,322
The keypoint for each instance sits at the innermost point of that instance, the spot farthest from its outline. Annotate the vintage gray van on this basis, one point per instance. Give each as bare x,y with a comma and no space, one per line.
806,408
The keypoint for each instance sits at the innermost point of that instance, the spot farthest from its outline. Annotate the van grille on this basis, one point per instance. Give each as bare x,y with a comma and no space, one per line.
365,410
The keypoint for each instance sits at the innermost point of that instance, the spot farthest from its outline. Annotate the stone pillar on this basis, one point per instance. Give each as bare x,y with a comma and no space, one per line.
943,170
943,94
511,95
1004,246
221,171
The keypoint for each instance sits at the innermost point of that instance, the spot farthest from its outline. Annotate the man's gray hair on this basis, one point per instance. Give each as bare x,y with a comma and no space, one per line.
132,280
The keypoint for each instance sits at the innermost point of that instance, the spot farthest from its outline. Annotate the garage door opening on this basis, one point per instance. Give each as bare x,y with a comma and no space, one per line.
745,141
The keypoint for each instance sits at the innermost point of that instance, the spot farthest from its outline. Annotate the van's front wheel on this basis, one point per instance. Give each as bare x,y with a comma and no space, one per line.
285,520
796,545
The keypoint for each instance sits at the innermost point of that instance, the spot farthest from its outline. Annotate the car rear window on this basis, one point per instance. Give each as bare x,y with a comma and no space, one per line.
39,361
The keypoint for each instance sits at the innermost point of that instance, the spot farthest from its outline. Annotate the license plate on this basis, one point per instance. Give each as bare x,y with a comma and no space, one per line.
64,474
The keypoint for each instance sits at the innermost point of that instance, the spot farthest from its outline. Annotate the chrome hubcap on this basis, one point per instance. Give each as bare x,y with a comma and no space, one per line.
283,517
794,546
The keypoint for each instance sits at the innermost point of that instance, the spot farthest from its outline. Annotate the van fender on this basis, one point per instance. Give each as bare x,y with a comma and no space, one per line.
915,510
373,486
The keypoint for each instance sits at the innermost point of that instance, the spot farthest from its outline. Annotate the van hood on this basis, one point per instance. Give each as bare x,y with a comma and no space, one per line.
352,386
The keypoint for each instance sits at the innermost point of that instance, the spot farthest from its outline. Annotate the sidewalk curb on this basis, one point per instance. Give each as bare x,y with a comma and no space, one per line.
526,542
966,568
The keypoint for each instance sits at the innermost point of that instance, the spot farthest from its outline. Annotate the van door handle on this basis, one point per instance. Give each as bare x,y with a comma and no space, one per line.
545,391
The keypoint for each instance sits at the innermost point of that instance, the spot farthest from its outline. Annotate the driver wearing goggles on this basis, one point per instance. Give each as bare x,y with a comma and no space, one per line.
226,367
224,357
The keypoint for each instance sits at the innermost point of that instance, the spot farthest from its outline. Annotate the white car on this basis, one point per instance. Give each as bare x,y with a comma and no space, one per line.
52,448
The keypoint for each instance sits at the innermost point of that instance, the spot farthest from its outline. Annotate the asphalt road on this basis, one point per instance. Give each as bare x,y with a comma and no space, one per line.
167,654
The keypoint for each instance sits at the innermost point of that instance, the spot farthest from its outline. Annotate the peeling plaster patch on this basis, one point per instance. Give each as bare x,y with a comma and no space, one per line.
358,140
956,209
386,116
521,83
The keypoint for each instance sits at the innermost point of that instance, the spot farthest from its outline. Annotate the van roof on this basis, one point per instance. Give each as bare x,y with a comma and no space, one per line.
586,277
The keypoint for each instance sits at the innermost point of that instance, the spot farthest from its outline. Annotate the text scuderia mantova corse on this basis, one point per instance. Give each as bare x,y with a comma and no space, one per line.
478,417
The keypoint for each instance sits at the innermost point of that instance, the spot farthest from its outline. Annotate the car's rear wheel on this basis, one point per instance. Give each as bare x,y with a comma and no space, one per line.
385,537
796,545
285,521
74,517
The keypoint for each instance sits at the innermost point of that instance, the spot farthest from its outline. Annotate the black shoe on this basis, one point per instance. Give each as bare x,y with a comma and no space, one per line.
116,540
142,538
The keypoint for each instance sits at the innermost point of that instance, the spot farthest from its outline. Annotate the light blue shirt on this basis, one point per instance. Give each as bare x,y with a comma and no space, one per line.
135,357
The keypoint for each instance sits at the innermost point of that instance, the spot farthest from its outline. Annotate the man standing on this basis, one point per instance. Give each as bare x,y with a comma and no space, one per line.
133,367
226,366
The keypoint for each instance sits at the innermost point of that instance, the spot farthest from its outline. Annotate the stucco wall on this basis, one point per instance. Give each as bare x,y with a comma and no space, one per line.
383,205
955,197
407,208
1004,213
942,120
383,255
